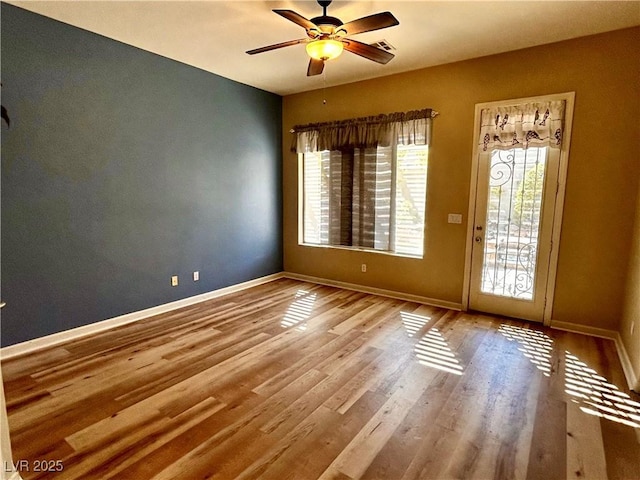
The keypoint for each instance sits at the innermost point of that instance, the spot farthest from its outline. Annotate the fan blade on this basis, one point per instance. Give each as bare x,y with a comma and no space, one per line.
370,23
367,51
315,67
277,45
297,19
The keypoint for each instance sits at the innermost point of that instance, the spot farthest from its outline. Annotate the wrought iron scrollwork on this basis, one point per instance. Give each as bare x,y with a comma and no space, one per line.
510,247
501,170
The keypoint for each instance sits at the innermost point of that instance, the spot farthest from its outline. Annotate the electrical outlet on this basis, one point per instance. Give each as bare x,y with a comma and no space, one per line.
196,276
364,268
174,281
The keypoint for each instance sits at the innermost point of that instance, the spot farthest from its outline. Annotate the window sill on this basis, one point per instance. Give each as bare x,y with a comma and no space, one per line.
363,249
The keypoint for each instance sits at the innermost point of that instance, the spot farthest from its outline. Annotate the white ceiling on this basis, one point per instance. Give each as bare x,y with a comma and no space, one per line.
214,35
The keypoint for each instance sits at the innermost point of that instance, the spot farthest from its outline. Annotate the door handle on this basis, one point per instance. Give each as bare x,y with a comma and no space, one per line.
3,304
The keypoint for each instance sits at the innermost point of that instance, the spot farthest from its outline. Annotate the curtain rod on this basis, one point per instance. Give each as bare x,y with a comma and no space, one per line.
434,114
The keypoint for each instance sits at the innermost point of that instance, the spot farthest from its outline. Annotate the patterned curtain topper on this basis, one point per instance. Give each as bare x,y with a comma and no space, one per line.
522,126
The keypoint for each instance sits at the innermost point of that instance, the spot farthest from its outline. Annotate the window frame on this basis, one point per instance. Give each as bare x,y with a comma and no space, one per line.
393,199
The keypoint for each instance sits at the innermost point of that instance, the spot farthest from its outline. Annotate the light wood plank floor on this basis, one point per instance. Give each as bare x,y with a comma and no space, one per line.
292,380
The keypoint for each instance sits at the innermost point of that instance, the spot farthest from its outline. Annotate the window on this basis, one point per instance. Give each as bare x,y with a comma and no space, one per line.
370,198
363,181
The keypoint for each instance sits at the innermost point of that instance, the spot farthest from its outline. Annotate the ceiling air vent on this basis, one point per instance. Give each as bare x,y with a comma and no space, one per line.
384,45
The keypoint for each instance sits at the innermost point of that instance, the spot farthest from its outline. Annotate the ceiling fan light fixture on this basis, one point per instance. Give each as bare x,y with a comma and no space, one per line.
326,37
324,49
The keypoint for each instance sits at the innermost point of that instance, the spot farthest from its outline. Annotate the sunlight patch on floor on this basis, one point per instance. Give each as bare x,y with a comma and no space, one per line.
534,345
596,395
433,351
299,311
412,322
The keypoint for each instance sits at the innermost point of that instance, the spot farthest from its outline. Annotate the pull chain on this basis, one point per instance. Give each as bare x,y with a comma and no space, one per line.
324,87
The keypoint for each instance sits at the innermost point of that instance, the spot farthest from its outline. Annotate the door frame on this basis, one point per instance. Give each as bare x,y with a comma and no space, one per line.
569,98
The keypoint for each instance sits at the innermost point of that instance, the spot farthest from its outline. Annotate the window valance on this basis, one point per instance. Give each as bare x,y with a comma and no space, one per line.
522,126
369,132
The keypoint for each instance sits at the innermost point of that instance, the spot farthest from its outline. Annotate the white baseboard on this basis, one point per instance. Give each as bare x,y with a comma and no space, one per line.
74,333
376,291
633,380
584,329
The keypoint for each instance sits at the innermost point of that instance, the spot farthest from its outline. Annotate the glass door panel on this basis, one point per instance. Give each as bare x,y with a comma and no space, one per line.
512,225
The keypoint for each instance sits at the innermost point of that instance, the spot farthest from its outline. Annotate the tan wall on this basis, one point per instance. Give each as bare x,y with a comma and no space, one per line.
632,304
602,183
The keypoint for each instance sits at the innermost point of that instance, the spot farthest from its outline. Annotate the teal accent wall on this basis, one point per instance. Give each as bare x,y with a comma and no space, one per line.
122,168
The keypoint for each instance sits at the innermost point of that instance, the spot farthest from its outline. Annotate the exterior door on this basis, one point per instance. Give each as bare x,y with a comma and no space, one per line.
515,220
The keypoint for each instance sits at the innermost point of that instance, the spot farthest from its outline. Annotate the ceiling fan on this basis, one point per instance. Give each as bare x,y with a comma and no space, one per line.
327,37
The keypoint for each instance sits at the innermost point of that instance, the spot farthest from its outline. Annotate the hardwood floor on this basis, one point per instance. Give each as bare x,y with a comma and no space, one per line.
292,380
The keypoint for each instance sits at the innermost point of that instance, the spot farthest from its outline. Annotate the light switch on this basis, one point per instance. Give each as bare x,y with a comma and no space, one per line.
455,218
